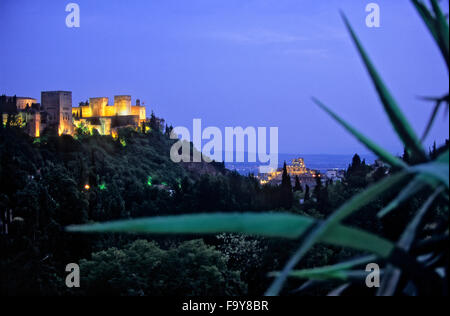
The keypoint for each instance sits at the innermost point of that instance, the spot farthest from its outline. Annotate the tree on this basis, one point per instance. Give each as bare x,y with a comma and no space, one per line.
143,268
356,164
287,198
298,187
169,130
321,194
318,188
154,123
307,195
286,179
357,173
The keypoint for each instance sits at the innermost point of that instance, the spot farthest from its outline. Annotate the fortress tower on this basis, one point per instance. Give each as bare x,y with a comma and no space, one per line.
122,103
98,106
58,105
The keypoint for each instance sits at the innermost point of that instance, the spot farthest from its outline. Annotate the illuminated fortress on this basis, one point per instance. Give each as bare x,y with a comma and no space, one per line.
56,112
105,118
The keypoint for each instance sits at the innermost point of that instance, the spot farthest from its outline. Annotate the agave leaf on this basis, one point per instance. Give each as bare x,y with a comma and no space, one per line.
433,174
442,30
412,188
432,118
377,150
353,205
336,235
357,239
367,196
444,157
398,120
338,271
437,106
264,224
421,181
339,290
393,274
343,275
435,170
390,280
409,234
427,17
437,25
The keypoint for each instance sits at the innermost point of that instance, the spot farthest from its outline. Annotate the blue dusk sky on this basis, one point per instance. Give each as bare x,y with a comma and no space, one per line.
231,63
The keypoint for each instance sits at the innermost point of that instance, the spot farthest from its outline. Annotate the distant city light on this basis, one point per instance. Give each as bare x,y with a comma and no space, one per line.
87,186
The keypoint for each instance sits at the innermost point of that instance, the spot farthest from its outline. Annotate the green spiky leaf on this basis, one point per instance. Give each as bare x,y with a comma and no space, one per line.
339,271
427,17
265,224
435,170
398,120
442,30
350,207
376,149
409,234
438,103
412,188
437,25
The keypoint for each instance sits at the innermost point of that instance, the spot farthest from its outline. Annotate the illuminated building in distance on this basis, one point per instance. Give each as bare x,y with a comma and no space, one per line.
105,118
296,169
